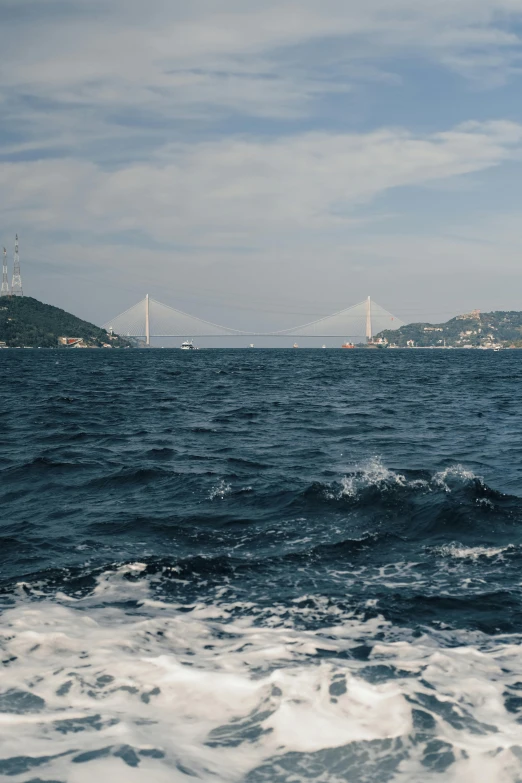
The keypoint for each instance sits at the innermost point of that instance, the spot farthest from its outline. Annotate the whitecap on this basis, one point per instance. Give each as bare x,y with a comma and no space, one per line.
220,490
373,473
131,688
454,474
461,552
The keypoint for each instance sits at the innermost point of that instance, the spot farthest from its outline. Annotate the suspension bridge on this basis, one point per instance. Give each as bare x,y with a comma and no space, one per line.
150,318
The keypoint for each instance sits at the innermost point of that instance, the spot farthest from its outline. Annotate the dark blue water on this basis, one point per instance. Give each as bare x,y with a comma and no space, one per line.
261,566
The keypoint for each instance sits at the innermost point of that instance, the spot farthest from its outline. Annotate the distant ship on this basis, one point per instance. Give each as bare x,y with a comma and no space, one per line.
188,345
251,345
347,345
295,345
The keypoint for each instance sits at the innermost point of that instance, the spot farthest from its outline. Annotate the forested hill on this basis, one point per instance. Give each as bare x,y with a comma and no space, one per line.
25,321
473,329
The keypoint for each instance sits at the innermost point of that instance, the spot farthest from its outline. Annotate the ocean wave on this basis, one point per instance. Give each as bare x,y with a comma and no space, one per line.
42,465
131,477
129,686
220,490
371,485
373,474
160,453
460,552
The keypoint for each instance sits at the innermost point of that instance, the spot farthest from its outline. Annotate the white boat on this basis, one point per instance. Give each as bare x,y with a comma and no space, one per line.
188,345
323,346
251,345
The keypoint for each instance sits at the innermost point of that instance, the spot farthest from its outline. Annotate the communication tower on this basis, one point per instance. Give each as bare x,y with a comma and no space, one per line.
5,282
16,284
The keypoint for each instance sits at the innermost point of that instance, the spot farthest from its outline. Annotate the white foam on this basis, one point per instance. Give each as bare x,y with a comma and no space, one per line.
307,721
460,552
220,490
224,688
373,473
455,473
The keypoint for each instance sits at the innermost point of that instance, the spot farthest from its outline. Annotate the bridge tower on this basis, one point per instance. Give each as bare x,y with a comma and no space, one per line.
5,281
369,335
16,284
147,321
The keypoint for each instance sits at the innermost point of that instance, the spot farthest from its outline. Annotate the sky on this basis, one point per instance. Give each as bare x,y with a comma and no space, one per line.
261,164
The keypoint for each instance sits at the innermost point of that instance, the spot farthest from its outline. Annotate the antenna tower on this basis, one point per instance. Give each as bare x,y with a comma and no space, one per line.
5,282
16,284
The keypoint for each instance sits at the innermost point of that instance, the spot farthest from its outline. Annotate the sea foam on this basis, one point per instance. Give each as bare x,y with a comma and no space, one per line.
118,683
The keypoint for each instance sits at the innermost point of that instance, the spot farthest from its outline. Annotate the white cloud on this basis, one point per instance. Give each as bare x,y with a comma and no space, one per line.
132,108
240,191
178,59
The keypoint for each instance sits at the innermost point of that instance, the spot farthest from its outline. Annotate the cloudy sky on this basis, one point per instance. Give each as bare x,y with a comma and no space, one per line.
261,163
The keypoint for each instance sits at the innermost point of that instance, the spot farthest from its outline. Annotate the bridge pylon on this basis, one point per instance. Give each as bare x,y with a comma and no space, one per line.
147,320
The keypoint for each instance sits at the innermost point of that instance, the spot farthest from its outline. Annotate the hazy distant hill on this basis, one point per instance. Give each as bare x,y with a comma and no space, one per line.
475,329
26,321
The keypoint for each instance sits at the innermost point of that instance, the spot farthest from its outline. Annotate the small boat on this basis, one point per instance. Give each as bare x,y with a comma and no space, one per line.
188,345
323,346
295,345
251,345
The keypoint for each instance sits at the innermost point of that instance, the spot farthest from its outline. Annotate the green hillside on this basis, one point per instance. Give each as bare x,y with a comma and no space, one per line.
473,329
25,321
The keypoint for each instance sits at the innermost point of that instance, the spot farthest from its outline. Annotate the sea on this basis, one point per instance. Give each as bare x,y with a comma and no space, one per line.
261,566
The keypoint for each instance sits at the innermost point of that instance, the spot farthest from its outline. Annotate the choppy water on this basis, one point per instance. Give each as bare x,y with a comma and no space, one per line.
261,566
